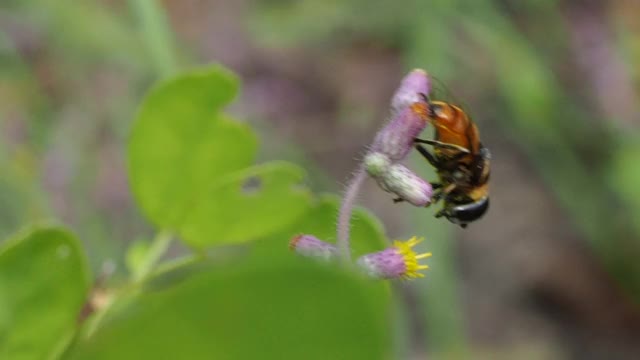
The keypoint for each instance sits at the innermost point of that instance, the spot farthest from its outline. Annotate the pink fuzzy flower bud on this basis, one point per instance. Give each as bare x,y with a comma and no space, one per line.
410,90
409,116
311,246
395,140
392,144
408,186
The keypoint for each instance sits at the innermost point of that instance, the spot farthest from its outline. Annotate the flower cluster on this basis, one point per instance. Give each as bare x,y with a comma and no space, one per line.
383,162
392,144
396,261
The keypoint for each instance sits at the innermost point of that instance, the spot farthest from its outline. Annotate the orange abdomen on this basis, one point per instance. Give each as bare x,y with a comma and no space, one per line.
453,126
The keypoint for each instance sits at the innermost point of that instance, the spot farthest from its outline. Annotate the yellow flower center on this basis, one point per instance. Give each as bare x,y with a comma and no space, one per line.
410,257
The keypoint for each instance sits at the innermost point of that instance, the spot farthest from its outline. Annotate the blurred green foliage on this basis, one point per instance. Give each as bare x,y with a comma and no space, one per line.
250,308
44,281
494,47
192,173
189,164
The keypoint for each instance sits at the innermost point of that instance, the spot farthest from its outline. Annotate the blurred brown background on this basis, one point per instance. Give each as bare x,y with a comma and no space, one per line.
552,272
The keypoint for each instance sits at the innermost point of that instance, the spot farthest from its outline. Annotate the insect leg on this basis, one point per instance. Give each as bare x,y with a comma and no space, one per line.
458,156
442,145
427,155
444,192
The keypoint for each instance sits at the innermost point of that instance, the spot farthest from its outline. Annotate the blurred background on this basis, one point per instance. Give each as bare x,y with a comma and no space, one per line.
552,272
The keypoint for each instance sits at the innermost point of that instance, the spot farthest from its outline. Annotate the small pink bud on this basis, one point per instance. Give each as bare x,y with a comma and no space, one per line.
415,83
409,116
311,246
395,140
408,186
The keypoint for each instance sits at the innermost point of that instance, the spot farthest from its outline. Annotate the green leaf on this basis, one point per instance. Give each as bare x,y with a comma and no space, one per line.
43,284
255,309
181,143
190,166
246,205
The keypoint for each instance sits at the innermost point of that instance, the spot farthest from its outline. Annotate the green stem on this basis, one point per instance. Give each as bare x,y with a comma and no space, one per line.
156,34
158,247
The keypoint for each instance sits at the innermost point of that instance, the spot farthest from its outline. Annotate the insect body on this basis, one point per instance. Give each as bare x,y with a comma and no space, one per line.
462,163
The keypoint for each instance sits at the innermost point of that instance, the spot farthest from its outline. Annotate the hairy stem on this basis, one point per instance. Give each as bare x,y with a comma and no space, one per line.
346,208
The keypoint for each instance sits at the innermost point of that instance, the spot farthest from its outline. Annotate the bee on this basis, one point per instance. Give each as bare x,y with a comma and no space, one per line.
461,161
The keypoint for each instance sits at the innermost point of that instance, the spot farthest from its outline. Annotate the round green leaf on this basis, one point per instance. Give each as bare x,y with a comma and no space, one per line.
246,205
181,143
43,284
291,309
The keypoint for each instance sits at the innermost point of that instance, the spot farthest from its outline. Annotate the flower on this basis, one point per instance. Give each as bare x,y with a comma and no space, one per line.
392,144
397,261
409,116
311,246
395,140
398,179
409,92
